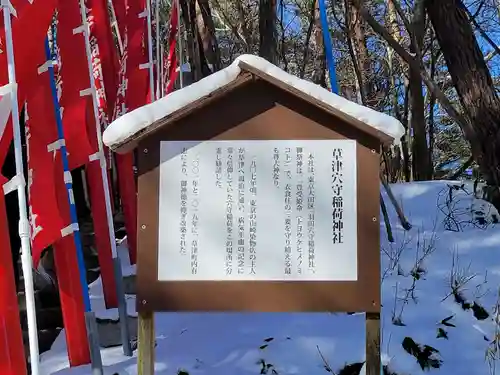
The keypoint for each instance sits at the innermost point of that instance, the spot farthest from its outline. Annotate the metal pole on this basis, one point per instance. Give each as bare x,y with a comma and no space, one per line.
150,51
95,355
162,71
114,23
24,225
180,36
327,40
67,175
93,340
122,309
107,196
158,62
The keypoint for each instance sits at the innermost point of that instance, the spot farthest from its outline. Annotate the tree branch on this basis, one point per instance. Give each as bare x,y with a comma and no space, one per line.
226,21
352,53
454,174
415,64
480,29
308,41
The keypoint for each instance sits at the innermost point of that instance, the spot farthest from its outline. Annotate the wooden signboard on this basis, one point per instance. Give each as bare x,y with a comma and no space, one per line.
259,198
193,212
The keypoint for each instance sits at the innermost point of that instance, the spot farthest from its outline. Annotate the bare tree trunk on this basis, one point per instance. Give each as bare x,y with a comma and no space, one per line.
308,40
242,19
358,82
395,32
420,154
242,36
196,55
207,31
191,45
395,158
474,85
283,48
404,141
267,31
432,106
357,32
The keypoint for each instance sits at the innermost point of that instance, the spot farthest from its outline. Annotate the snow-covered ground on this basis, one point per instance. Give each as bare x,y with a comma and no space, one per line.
420,272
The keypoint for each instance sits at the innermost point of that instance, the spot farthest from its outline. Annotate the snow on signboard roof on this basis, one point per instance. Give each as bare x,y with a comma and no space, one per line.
123,129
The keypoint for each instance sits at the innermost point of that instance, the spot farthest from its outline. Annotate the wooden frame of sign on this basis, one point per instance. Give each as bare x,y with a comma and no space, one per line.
256,106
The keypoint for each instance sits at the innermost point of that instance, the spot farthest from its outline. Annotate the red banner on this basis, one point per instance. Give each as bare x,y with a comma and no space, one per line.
105,66
125,166
120,106
102,58
29,31
134,70
73,82
50,213
133,73
105,60
68,277
41,141
137,63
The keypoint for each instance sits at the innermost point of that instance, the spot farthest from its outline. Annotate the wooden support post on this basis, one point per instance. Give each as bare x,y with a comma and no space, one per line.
373,344
146,344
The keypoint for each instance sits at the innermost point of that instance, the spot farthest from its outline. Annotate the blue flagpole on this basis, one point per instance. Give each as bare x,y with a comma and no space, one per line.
69,184
327,40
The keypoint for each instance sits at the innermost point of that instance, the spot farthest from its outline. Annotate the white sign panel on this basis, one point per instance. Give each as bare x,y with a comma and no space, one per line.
258,210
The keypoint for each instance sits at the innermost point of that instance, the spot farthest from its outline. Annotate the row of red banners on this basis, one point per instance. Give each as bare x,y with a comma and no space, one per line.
113,77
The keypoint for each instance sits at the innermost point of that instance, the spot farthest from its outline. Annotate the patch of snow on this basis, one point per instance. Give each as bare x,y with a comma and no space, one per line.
124,128
228,343
122,250
121,241
466,255
216,344
130,270
97,294
99,307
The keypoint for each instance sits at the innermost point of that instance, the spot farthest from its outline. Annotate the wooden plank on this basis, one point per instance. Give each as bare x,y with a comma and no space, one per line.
373,344
146,344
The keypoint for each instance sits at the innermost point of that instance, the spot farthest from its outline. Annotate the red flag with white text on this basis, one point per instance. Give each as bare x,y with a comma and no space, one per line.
134,70
105,60
73,83
137,62
29,30
105,66
134,73
43,174
46,163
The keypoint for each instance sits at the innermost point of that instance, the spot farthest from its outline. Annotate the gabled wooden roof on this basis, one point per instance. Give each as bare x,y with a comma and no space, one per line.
248,74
